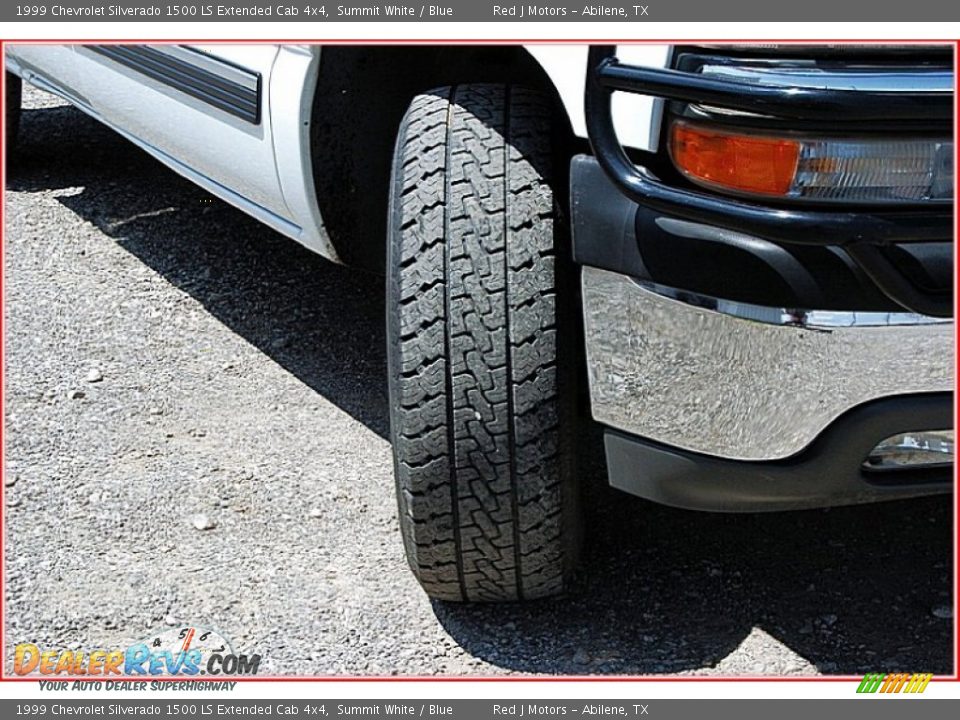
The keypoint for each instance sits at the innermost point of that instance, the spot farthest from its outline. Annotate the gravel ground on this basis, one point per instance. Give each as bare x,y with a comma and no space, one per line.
168,357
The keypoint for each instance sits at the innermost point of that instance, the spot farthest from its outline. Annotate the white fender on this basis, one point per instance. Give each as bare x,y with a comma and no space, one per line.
637,118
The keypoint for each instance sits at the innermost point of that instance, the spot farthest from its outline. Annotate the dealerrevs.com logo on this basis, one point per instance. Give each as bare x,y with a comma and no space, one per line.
186,651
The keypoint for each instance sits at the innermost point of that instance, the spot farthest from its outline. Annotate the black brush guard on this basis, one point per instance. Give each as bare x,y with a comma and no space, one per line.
861,234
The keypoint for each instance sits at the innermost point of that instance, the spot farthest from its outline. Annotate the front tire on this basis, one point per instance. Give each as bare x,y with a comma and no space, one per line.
481,347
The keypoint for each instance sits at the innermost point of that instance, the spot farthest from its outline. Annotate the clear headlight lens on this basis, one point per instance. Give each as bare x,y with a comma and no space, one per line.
875,171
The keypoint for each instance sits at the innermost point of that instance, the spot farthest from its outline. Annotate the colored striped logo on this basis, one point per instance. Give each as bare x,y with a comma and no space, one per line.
894,682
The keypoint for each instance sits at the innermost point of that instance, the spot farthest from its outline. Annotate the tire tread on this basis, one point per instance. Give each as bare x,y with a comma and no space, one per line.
477,413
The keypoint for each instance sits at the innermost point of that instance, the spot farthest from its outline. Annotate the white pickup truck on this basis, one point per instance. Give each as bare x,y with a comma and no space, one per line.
745,251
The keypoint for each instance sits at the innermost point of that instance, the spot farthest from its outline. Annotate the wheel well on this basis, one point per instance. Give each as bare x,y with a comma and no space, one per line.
361,96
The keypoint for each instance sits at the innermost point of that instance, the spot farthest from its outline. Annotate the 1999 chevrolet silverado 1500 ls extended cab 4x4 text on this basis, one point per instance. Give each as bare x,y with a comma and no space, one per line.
747,252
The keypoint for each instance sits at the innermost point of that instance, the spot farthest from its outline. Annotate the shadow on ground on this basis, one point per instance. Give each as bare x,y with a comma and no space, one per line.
320,321
850,590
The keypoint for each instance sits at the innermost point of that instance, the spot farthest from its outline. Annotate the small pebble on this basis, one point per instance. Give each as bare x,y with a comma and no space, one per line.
203,522
316,512
76,395
94,376
11,480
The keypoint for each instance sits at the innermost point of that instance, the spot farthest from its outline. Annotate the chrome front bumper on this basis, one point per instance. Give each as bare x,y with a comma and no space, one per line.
743,382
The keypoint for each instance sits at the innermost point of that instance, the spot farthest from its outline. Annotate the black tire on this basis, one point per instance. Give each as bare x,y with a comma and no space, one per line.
13,89
481,347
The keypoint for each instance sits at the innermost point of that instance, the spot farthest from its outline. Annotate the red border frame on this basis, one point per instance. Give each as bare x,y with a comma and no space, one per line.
955,677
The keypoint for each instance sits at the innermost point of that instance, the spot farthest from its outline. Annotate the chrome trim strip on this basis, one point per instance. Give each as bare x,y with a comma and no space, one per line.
220,84
900,80
717,382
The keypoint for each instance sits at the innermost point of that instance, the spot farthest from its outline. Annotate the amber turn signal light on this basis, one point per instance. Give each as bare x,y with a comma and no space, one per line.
739,162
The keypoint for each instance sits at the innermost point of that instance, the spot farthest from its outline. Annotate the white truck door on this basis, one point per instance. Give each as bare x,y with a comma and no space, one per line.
202,109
